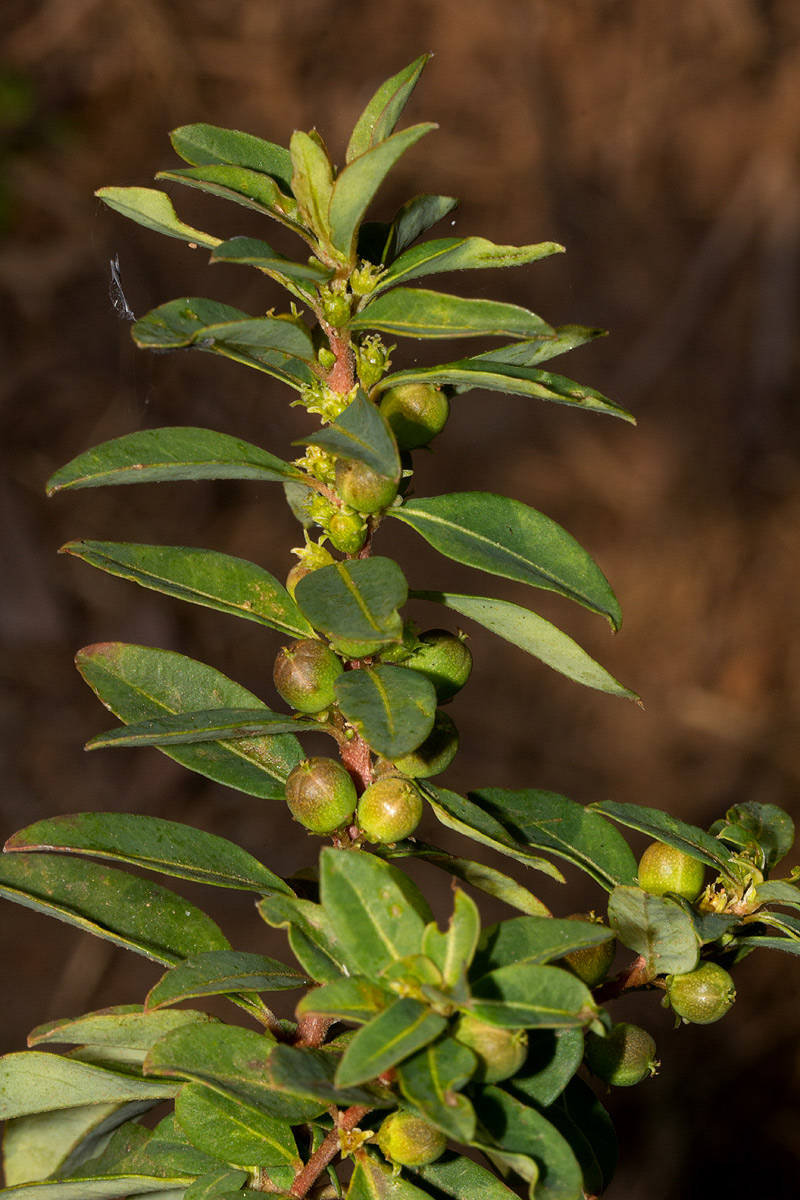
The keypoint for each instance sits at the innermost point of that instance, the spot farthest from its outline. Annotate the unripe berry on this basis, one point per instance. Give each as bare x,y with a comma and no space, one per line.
702,996
625,1056
304,674
320,794
389,810
409,1141
444,659
665,869
362,488
435,754
415,412
347,531
500,1052
591,964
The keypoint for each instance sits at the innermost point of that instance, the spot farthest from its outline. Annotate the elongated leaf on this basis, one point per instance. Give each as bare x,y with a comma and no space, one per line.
519,1129
453,950
355,601
34,1081
377,912
768,826
99,1188
351,999
525,996
170,454
537,350
192,321
128,1026
312,182
392,708
211,725
153,843
591,1119
536,940
508,538
259,254
311,936
217,1185
554,823
778,892
154,210
381,243
416,312
393,1035
379,118
459,1178
533,634
656,928
670,830
486,879
459,254
219,972
373,1179
234,1133
758,942
111,904
139,683
202,145
554,1056
252,189
360,434
356,185
431,1080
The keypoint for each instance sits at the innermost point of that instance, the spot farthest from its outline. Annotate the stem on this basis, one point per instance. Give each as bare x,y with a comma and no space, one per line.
321,1158
312,1029
636,975
342,375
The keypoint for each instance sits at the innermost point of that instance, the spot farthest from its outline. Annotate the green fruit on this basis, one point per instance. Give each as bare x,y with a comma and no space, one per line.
703,995
435,754
415,413
500,1052
409,1141
362,488
304,674
625,1056
389,810
665,869
444,659
347,531
321,795
351,650
591,964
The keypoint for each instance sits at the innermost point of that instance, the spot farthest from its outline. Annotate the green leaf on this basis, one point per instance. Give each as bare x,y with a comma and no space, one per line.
377,912
536,940
220,972
127,1025
34,1081
170,454
591,1119
454,1177
525,996
152,843
259,254
486,879
219,581
453,951
211,725
154,210
202,145
216,1185
99,1188
311,936
312,182
193,321
508,538
393,708
139,683
379,118
537,350
351,999
757,941
431,1080
778,892
670,830
656,928
252,189
416,312
768,826
554,823
459,254
356,600
232,1132
380,243
356,185
531,633
393,1035
373,1179
360,434
514,1127
554,1056
111,904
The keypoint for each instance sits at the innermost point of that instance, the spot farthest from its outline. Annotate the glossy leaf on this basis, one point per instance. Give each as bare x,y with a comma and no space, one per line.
479,875
453,950
591,1119
537,350
418,313
536,940
34,1081
454,1177
431,1080
312,181
311,936
525,996
201,144
220,972
393,1035
207,577
554,1056
355,600
360,434
554,823
377,912
531,633
193,321
127,1026
356,185
381,243
154,210
379,118
252,189
139,683
211,725
350,999
656,928
668,829
259,254
111,904
232,1132
170,455
153,843
513,1126
393,708
508,538
459,254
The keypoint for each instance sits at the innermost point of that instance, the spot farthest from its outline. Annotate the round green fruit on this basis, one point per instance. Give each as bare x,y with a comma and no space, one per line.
703,995
435,754
389,810
321,795
304,674
500,1052
362,488
625,1056
591,964
347,531
665,869
444,659
409,1141
415,413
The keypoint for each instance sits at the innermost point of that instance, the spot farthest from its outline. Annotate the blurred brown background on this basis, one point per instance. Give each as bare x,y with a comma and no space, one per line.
657,141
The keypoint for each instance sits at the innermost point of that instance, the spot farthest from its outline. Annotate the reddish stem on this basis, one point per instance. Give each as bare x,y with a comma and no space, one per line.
636,975
326,1153
312,1030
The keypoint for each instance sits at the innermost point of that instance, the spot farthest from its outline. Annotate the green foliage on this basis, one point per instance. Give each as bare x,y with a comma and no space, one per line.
402,1028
